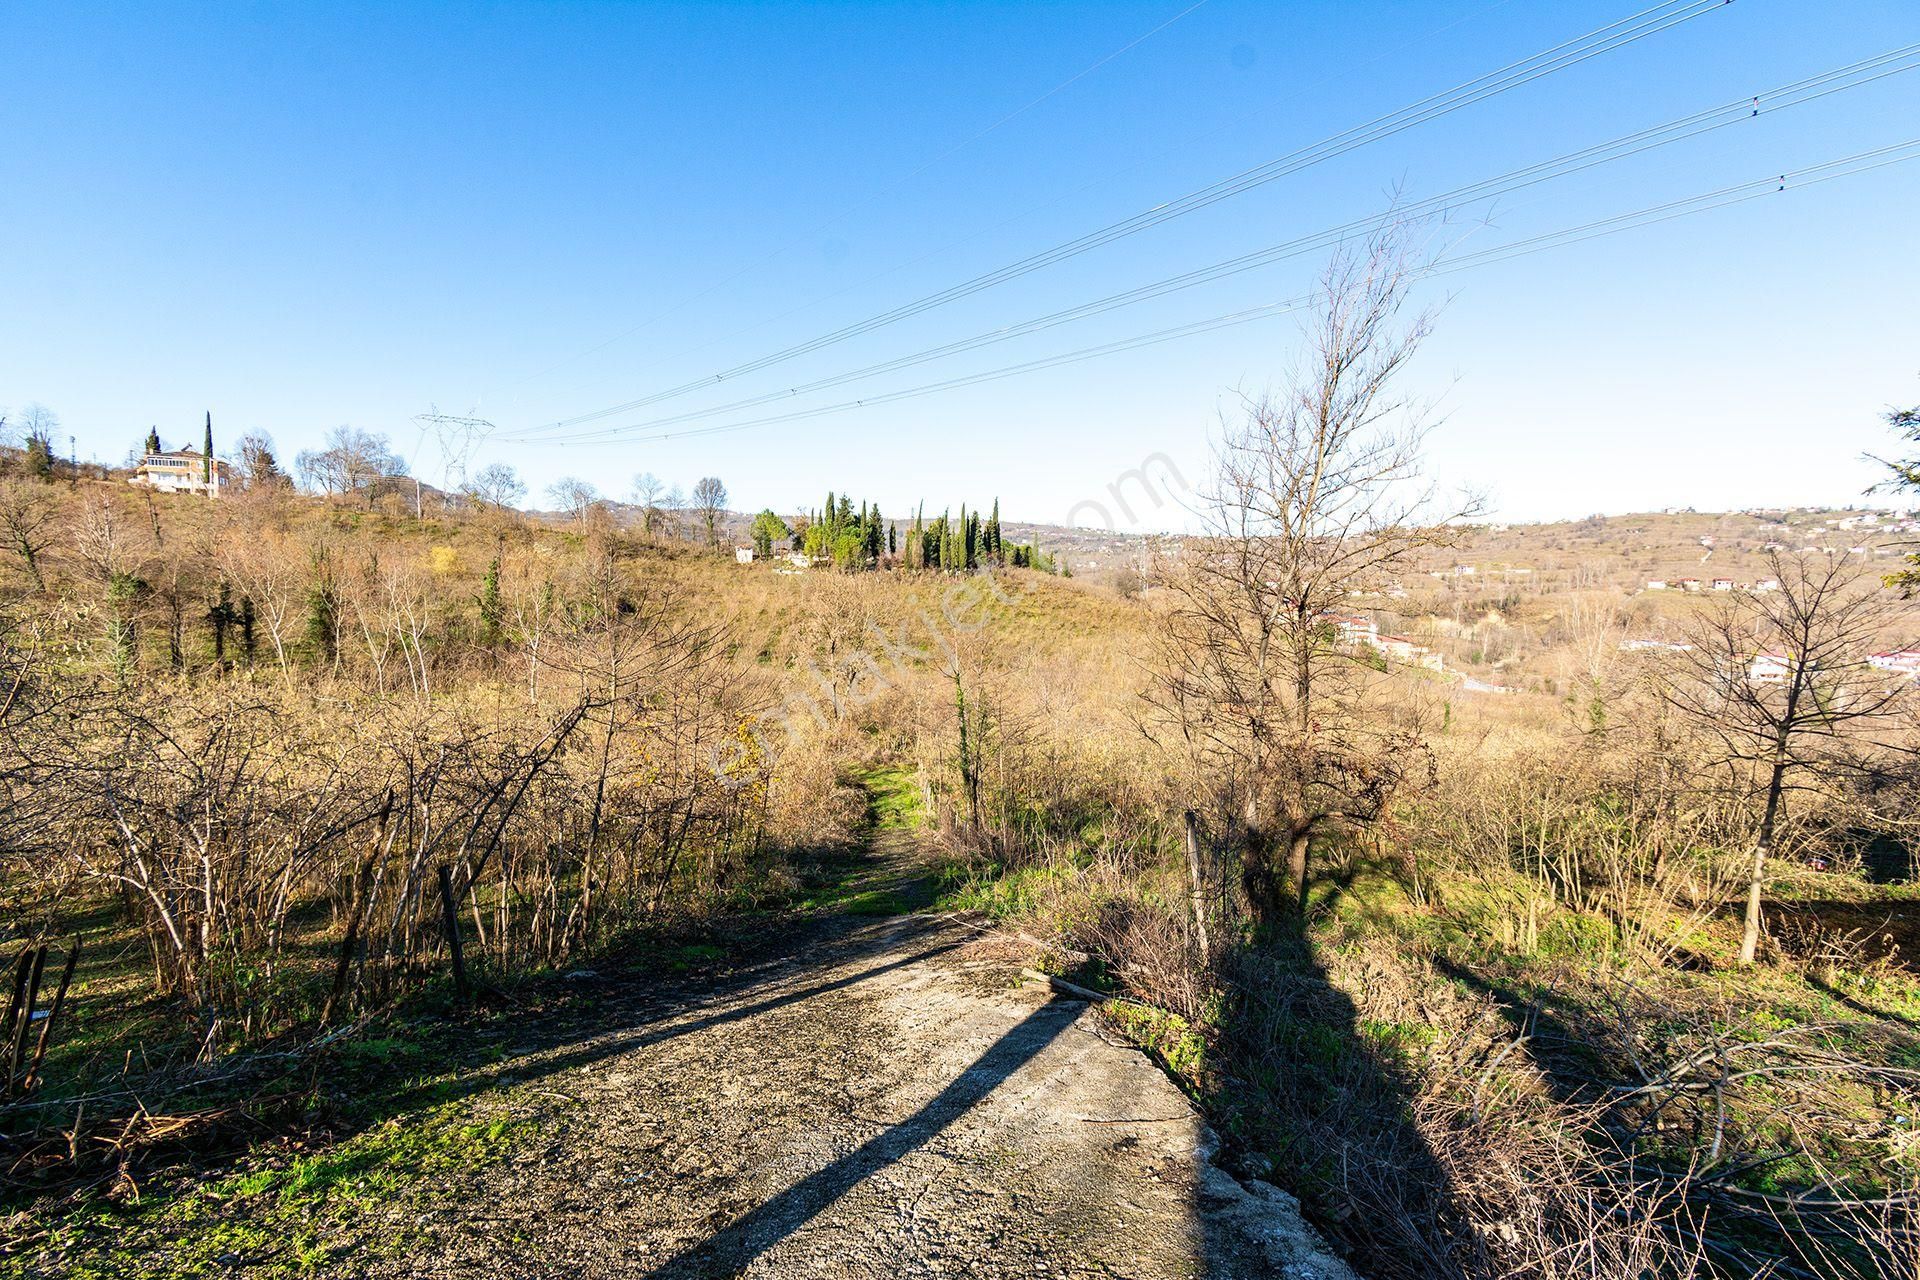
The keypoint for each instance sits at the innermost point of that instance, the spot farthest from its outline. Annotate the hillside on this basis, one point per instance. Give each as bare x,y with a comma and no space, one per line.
270,757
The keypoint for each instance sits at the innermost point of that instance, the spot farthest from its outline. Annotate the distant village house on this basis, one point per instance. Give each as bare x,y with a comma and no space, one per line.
181,470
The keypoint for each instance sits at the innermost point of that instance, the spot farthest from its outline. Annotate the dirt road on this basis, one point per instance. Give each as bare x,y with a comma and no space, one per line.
887,1099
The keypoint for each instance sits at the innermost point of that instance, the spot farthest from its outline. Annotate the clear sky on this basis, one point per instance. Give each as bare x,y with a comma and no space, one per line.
299,216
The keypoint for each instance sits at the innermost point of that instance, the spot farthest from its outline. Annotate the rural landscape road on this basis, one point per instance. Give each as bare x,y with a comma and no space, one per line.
887,1099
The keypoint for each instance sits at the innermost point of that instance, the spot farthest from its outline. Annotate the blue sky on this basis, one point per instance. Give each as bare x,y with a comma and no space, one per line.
303,216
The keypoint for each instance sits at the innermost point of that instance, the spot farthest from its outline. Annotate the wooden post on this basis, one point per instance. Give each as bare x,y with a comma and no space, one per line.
15,1014
53,1012
1197,888
450,919
17,1054
356,909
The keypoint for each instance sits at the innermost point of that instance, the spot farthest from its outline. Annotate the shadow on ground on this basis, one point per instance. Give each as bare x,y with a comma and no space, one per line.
1320,1103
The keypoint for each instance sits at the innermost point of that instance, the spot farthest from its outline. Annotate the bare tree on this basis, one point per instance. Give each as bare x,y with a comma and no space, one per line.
38,423
649,489
260,469
672,503
1317,495
29,524
1780,683
497,485
573,495
354,462
710,500
36,420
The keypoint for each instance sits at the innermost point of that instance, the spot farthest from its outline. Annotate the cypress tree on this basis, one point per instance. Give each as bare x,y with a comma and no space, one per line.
39,457
222,616
323,610
993,531
893,539
206,452
153,439
246,628
492,612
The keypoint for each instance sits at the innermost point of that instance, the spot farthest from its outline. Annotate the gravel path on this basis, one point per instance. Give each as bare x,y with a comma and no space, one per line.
888,1099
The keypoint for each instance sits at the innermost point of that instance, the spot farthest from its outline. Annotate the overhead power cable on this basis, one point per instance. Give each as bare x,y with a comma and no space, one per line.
1799,93
901,181
1617,35
1850,166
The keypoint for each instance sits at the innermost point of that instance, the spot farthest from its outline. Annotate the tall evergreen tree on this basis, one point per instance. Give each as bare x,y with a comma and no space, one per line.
153,440
492,610
993,533
39,459
206,453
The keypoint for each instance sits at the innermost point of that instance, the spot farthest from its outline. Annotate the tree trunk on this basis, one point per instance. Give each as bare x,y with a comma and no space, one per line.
1297,843
1197,889
1776,787
1750,938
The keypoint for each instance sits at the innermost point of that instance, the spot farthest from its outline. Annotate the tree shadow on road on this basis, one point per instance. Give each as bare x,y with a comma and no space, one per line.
760,1229
1321,1102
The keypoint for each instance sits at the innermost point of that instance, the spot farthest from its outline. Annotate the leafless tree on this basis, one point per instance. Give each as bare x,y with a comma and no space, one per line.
353,462
1780,683
573,495
672,504
36,421
710,500
650,489
259,466
497,485
1317,495
29,524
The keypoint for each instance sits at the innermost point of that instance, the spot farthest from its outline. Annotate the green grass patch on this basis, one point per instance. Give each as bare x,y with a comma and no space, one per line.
1001,894
894,799
1175,1040
303,1216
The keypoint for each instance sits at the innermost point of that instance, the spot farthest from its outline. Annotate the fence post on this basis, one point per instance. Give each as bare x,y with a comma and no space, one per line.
1196,890
450,919
53,1012
15,1014
18,1056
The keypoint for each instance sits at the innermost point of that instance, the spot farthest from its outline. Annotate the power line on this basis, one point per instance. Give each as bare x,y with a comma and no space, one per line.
895,185
763,321
1798,93
1850,166
1629,30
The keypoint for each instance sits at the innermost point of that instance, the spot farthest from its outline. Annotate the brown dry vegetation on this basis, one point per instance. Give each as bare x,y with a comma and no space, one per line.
1508,1038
